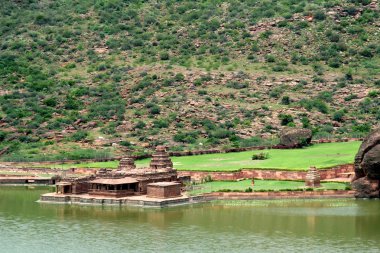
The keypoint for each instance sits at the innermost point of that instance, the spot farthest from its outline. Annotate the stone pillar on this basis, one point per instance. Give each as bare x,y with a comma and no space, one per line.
313,179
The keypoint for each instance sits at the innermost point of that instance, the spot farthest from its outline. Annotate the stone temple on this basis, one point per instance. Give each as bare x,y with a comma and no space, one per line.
313,179
159,180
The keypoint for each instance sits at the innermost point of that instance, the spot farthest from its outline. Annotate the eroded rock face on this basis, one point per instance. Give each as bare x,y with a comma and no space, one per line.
295,137
367,167
366,188
367,160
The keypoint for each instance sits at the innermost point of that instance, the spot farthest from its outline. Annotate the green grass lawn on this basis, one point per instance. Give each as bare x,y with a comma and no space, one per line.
260,185
319,155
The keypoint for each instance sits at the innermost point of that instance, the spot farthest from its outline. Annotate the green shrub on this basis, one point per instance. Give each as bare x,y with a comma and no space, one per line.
3,135
338,115
373,93
236,85
155,110
270,58
334,62
260,156
285,119
221,133
189,137
366,53
79,135
350,97
125,143
276,92
319,15
161,123
285,100
164,56
52,102
249,189
140,125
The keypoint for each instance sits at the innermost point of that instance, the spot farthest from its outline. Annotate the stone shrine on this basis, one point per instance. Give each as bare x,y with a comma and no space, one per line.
161,159
127,163
313,179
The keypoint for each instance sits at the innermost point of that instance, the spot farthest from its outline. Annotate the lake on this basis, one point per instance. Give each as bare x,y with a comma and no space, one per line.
328,225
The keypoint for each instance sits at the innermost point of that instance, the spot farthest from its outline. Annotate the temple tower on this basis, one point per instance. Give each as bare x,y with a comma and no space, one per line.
313,179
127,163
161,159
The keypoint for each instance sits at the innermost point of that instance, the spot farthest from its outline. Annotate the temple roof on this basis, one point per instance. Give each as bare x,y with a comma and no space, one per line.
113,181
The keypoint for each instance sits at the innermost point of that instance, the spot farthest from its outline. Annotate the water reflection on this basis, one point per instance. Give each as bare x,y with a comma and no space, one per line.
281,226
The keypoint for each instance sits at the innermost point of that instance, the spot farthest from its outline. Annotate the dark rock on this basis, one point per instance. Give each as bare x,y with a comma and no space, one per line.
367,160
295,137
366,188
367,167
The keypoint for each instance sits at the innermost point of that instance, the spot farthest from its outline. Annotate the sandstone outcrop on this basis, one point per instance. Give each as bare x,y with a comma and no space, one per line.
367,167
366,188
295,137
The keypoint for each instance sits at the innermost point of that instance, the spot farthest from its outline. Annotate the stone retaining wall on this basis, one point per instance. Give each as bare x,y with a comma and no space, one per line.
78,199
26,180
35,170
329,173
279,195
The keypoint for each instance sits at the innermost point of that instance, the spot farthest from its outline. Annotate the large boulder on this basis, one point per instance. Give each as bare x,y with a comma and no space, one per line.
295,137
367,166
367,160
366,188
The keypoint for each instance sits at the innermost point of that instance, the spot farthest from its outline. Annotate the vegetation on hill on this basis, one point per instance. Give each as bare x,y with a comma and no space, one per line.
116,75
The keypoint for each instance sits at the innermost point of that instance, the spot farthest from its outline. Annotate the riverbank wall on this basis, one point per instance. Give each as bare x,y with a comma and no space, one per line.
140,201
16,180
325,174
338,171
279,195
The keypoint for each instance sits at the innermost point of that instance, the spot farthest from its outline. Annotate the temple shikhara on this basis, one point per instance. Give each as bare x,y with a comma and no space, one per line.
313,179
159,180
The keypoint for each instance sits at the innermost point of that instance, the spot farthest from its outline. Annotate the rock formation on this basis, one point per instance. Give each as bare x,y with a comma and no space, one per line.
367,167
295,137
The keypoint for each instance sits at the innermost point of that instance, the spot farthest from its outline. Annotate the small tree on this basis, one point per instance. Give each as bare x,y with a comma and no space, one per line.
338,116
285,119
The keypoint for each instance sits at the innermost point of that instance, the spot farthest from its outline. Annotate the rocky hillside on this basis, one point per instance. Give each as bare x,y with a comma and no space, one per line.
128,75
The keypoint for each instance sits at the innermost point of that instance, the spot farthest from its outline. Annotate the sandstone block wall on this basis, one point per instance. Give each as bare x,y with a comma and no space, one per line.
163,192
268,174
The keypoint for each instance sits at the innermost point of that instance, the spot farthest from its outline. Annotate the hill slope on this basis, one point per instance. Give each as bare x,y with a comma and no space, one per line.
82,74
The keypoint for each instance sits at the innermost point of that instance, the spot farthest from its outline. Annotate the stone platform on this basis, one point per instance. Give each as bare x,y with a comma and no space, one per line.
26,180
141,200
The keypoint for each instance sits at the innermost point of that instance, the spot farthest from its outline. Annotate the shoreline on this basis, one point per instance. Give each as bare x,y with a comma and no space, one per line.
143,201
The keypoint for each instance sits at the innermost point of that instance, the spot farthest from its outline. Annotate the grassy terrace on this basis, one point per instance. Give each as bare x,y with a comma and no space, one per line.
319,155
260,185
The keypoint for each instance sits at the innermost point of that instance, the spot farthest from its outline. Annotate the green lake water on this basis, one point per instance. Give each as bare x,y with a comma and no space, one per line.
332,225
